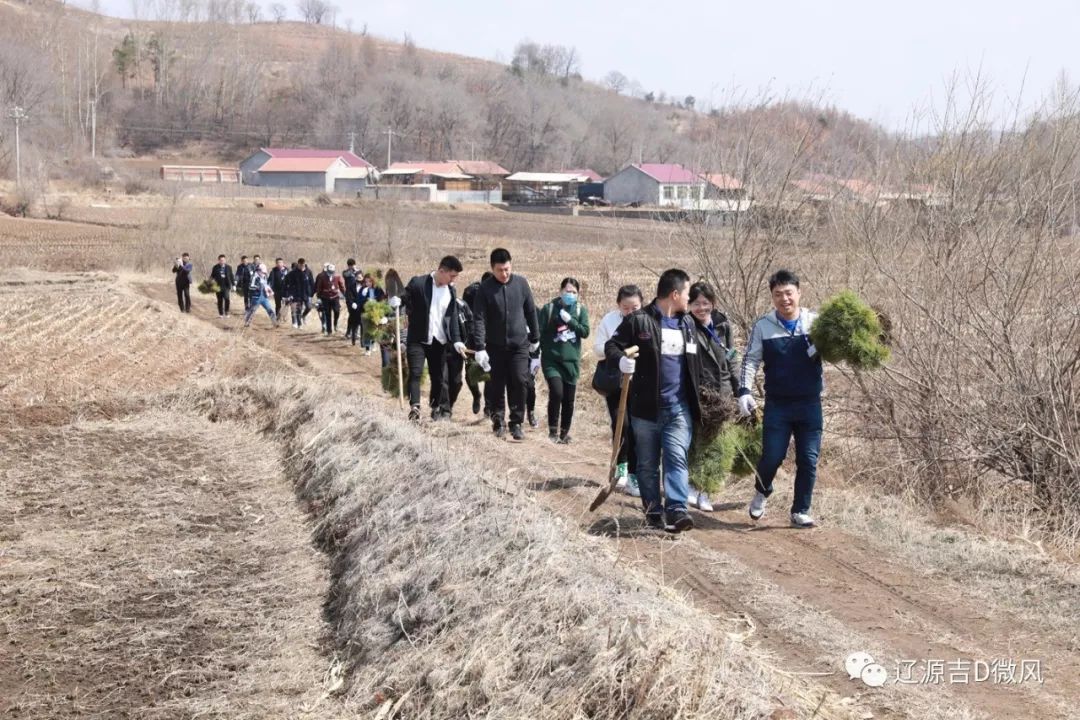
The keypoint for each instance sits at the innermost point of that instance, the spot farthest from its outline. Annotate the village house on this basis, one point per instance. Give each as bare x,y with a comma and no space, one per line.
325,170
659,184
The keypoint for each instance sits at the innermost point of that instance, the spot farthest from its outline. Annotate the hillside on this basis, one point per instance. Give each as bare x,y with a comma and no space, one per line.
232,87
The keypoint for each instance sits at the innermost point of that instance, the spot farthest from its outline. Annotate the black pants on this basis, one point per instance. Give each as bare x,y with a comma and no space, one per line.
435,357
455,365
626,451
223,302
277,304
330,312
353,329
183,298
561,397
509,383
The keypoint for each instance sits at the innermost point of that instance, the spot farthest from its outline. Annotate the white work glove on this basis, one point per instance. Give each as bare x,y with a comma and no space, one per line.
534,365
384,320
565,316
627,365
747,405
459,348
483,360
534,347
395,303
353,306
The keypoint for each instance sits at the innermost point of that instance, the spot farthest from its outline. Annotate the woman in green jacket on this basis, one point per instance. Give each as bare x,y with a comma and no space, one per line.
564,323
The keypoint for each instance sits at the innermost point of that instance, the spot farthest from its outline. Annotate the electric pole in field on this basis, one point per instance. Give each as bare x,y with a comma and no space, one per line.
93,127
18,115
352,142
389,144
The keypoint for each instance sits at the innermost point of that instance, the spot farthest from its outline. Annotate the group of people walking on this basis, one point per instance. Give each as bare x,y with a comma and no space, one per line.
295,287
675,349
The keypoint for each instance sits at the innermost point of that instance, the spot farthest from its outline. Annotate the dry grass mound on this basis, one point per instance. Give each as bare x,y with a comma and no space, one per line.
464,601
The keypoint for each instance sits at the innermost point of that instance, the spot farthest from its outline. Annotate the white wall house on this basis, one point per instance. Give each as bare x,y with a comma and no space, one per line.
658,184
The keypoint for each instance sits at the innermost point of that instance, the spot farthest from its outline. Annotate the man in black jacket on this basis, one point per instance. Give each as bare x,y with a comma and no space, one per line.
434,330
664,402
300,286
352,299
182,270
505,331
276,281
222,275
243,279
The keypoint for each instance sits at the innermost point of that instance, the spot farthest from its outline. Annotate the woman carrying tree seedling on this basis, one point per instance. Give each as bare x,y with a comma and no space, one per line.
564,323
628,300
719,383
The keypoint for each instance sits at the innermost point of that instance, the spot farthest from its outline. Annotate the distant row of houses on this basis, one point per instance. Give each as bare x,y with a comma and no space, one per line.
664,185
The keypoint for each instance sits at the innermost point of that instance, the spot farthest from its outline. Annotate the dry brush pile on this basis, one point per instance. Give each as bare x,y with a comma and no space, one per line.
467,602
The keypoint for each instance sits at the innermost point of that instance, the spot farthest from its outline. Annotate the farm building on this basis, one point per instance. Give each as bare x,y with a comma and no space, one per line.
662,184
591,175
200,174
326,170
542,187
442,181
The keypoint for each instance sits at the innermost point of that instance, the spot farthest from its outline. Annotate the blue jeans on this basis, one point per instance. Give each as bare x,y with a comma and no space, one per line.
667,441
257,302
784,418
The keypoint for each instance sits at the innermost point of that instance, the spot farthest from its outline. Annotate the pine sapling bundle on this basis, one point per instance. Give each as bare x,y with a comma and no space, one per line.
476,374
848,330
375,330
747,440
712,453
208,286
390,377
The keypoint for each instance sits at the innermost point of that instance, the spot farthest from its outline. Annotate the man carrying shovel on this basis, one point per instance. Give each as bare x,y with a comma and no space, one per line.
663,401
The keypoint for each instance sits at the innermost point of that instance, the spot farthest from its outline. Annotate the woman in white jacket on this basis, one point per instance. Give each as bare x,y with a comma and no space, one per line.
628,300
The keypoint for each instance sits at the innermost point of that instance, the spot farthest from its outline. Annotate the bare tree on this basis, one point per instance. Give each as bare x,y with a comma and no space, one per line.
279,12
616,81
314,11
254,12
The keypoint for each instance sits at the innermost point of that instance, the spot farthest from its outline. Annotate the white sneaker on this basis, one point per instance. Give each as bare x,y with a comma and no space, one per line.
802,520
703,502
757,506
620,473
632,488
692,498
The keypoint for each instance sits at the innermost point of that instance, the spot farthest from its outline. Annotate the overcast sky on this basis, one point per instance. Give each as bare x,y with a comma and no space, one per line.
878,61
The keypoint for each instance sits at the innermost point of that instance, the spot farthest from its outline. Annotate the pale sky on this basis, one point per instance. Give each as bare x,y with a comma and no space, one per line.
879,61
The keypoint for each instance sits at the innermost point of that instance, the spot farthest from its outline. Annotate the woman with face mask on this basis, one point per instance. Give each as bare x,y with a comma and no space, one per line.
564,323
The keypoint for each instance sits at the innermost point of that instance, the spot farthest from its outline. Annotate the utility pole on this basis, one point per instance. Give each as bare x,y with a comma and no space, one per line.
352,142
18,115
389,144
93,127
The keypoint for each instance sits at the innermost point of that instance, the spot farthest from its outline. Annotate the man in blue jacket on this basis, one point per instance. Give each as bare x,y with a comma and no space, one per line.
664,404
780,341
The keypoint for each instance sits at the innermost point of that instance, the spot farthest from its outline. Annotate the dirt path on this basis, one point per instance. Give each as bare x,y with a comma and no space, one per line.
810,597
